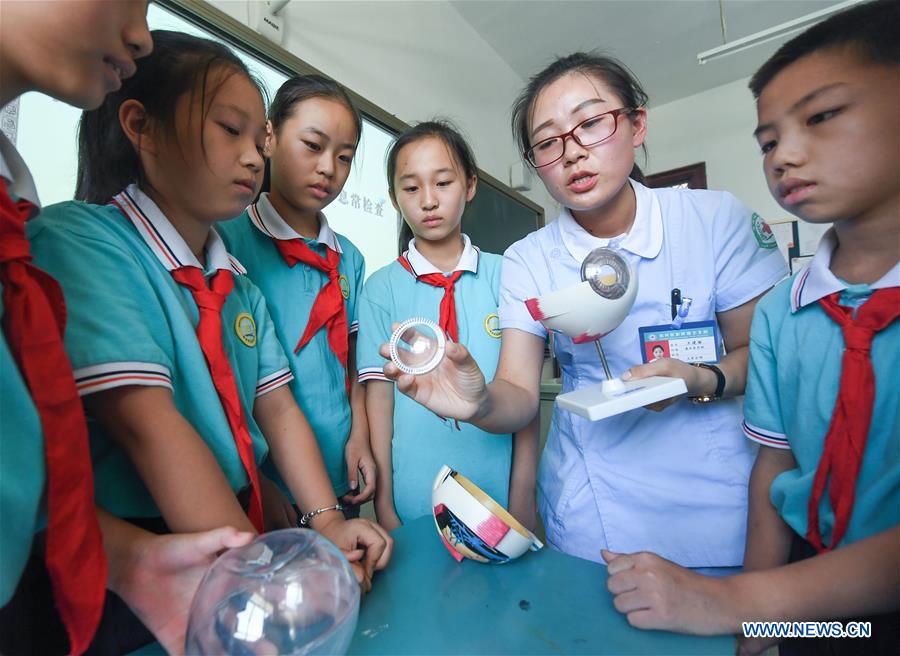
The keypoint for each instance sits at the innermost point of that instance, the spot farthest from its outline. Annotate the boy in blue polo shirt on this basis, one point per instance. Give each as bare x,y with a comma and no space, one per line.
825,488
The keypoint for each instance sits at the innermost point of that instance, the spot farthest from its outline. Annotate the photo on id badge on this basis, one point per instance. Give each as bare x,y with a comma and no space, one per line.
694,341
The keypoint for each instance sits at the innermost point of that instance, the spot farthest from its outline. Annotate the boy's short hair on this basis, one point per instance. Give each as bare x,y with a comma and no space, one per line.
872,28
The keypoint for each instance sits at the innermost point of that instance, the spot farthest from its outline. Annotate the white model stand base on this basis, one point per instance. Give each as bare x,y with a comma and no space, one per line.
613,397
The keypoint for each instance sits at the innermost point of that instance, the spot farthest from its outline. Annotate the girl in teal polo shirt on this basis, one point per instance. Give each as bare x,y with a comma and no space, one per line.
172,346
56,564
311,276
431,176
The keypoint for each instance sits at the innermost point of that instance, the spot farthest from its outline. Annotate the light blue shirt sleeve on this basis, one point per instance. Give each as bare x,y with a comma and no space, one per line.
374,330
114,323
748,261
359,270
517,284
274,369
763,422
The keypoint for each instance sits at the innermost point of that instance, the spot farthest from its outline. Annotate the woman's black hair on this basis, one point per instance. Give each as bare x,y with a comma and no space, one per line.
179,64
611,71
439,129
298,89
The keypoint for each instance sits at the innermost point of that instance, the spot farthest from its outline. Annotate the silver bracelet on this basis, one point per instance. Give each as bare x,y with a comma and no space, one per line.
306,518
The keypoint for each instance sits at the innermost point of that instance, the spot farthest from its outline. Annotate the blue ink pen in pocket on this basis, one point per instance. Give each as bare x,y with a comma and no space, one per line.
682,313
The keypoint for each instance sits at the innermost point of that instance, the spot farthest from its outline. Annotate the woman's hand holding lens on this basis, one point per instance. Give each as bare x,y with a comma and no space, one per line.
455,389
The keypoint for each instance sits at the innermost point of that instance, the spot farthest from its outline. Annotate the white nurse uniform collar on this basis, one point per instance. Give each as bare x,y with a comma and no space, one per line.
18,178
269,222
817,281
163,239
420,265
644,239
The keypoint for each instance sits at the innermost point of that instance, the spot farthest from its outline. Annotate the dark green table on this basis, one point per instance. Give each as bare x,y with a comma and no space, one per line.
543,603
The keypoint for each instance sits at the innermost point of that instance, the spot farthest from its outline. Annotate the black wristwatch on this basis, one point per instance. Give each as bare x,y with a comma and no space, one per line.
720,384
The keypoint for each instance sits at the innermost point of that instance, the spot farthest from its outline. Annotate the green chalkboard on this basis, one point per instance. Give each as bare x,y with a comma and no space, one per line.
495,219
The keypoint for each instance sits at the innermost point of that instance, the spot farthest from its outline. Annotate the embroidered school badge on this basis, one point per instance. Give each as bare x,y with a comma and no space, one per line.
492,325
245,328
345,286
763,233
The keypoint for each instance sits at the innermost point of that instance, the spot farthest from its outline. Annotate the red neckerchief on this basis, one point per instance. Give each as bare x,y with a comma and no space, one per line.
210,301
845,442
447,320
328,309
33,322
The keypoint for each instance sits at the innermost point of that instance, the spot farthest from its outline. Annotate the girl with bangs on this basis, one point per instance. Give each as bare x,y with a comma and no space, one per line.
174,353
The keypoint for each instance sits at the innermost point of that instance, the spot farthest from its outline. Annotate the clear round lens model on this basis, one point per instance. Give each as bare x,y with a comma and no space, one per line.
287,592
607,272
417,346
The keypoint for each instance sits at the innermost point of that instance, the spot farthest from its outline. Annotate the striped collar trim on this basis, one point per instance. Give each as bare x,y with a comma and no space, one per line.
267,220
817,281
420,265
163,239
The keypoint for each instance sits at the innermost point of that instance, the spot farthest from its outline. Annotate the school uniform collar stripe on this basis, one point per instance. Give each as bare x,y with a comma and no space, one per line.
255,219
151,235
644,239
266,218
817,281
797,290
164,241
236,266
412,268
420,265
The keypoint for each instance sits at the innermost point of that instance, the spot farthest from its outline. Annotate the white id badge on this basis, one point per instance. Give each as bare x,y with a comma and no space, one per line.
697,341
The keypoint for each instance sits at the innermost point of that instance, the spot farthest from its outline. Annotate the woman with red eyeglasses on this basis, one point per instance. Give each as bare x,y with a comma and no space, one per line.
672,481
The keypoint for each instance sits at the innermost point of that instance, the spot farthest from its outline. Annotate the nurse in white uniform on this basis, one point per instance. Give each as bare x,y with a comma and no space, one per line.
673,478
